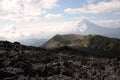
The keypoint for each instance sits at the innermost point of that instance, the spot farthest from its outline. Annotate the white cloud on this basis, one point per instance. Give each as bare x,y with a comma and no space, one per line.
49,29
90,1
10,29
15,10
109,23
11,33
101,7
82,27
49,4
81,18
116,13
38,30
53,16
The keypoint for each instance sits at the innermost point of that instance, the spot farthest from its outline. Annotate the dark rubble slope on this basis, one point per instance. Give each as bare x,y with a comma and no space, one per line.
19,62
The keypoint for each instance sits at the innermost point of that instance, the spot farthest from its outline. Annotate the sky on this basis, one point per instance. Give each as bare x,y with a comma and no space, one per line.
20,19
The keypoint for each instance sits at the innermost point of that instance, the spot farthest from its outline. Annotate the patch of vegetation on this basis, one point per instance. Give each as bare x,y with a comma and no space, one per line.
91,41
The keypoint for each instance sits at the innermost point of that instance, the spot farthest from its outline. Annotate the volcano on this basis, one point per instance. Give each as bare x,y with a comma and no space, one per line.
86,27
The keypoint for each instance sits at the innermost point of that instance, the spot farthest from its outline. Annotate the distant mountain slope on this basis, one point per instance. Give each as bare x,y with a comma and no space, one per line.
33,42
86,27
91,41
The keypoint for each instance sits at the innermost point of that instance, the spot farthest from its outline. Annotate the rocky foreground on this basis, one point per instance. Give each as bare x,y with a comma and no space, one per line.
19,62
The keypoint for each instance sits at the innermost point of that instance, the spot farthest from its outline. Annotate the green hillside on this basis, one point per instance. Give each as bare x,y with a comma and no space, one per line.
91,41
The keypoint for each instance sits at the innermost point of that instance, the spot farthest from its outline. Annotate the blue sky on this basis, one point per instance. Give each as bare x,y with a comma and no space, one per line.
25,18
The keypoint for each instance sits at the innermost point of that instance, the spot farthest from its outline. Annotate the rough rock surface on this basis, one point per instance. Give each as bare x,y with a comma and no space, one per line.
19,62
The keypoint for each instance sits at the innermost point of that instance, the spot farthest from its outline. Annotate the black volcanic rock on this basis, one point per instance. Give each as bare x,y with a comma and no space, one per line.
22,62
